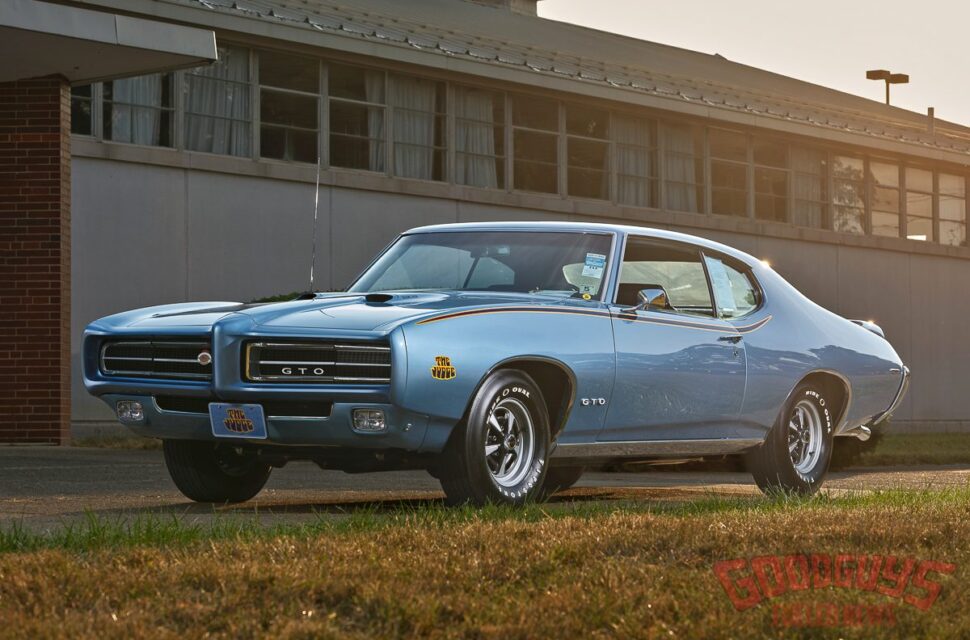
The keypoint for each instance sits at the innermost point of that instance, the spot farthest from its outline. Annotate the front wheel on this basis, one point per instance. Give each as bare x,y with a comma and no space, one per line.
795,456
499,454
210,472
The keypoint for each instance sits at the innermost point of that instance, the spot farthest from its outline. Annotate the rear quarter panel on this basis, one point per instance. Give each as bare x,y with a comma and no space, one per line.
803,338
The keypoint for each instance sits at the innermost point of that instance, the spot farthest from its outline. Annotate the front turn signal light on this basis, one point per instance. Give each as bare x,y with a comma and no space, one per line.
130,411
369,420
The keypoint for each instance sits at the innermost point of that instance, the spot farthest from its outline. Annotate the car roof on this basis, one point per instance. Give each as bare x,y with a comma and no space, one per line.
592,227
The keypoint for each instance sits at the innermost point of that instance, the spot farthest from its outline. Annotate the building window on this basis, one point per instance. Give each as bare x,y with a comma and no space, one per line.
635,140
809,197
953,210
288,107
479,138
729,172
356,118
588,152
139,110
417,126
919,204
885,199
82,120
535,142
848,195
218,113
770,180
684,167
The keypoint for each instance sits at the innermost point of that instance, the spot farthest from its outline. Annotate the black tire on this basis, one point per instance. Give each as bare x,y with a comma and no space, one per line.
210,472
774,465
561,478
470,476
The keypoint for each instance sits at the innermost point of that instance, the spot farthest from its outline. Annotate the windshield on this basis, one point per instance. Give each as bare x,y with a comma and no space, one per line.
568,264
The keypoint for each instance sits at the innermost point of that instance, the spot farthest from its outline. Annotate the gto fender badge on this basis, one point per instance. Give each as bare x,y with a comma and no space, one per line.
593,402
442,369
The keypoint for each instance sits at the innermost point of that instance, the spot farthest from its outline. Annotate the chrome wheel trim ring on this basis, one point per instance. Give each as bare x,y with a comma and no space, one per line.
805,436
509,442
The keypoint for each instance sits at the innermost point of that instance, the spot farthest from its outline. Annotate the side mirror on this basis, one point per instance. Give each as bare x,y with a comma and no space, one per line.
653,298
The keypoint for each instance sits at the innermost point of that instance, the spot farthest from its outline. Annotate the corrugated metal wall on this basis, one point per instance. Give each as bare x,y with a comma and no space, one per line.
145,235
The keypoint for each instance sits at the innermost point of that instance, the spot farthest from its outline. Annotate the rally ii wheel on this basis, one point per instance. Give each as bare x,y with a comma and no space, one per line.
795,456
498,455
210,472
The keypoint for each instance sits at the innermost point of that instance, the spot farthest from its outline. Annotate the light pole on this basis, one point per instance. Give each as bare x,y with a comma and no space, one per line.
890,78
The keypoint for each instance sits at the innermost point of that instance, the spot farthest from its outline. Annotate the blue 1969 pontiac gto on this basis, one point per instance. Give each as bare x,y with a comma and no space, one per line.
503,358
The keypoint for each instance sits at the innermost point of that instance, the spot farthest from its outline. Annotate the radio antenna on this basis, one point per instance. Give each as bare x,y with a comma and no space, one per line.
316,208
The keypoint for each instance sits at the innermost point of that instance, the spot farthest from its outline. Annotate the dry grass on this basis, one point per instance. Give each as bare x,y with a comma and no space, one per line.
118,442
629,571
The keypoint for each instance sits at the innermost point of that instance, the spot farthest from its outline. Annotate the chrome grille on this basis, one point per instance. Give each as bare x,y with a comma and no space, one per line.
317,362
156,358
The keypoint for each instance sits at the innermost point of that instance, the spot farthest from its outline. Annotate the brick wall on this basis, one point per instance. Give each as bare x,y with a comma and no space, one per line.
35,258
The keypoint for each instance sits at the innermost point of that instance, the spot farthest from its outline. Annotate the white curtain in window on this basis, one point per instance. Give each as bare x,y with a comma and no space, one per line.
807,187
680,166
413,101
374,88
633,160
475,138
135,114
217,109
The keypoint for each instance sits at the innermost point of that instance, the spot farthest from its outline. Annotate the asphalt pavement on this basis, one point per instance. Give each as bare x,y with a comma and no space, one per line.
46,487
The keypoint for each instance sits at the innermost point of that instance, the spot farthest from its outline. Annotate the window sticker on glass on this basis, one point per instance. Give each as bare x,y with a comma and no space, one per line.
594,265
722,286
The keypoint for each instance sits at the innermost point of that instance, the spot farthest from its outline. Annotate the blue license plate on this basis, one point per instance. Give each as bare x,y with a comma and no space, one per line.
237,420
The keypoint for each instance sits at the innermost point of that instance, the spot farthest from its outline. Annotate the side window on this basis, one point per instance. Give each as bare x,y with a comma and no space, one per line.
677,269
734,290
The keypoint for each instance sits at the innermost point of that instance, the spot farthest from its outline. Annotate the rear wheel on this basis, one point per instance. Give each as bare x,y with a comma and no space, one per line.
499,454
210,472
795,456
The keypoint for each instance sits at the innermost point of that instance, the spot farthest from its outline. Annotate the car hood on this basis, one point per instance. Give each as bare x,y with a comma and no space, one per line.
352,312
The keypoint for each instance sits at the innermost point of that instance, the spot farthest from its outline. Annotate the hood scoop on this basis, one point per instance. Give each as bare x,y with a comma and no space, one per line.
378,298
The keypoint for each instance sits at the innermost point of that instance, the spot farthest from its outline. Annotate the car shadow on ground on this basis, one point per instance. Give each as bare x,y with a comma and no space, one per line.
383,503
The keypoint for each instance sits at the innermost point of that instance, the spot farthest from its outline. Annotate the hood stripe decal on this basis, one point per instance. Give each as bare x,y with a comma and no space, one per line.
687,324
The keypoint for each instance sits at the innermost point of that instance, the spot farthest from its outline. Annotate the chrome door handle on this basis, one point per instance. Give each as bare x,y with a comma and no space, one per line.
731,339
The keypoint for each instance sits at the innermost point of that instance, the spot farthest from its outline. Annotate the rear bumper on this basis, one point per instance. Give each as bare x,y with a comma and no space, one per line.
406,430
900,394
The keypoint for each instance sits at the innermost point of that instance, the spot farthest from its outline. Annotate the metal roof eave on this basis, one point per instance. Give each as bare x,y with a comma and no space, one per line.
84,45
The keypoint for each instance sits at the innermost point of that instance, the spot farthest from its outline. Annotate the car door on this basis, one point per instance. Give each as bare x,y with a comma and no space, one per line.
680,371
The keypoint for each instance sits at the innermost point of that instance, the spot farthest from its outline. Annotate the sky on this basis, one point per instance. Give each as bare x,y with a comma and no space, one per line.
827,42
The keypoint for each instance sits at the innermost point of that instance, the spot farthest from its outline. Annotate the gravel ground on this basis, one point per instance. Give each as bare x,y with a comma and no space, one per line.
44,487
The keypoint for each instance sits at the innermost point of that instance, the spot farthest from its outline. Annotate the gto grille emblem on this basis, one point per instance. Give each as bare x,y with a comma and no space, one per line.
303,371
204,358
442,369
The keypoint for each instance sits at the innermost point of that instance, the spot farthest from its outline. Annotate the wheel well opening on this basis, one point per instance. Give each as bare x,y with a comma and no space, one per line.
835,389
556,386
